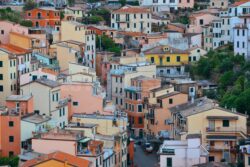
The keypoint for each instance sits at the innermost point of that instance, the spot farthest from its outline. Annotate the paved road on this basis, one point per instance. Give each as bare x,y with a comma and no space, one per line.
143,159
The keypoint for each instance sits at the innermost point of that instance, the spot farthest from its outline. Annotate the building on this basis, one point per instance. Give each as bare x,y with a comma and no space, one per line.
122,69
157,114
85,97
223,4
74,31
53,104
207,37
68,52
44,17
197,20
32,125
10,143
176,153
134,101
132,18
59,159
160,5
70,142
220,129
169,60
74,13
23,104
196,53
14,61
186,4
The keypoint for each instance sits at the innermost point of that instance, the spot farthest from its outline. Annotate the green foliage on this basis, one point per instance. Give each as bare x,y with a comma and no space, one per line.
26,23
123,2
182,19
71,2
231,73
29,5
107,44
94,19
11,161
61,15
102,13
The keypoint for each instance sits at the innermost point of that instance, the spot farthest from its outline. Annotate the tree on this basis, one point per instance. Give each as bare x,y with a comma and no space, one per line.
71,2
29,5
11,161
26,23
94,19
123,2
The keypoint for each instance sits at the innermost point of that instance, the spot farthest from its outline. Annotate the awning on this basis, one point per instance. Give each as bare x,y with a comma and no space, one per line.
221,137
85,140
222,117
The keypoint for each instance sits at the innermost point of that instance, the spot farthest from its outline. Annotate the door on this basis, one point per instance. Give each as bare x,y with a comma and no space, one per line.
140,133
161,61
211,125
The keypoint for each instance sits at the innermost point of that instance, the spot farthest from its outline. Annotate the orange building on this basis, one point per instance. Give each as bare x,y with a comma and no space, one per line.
134,100
43,17
23,104
10,137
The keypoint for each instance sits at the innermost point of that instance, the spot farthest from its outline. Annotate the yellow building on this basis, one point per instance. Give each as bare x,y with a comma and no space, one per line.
169,60
71,30
220,129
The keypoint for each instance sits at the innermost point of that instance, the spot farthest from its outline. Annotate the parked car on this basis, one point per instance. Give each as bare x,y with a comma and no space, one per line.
148,147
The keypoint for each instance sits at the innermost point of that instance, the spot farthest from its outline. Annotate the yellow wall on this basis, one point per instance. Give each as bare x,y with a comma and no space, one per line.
173,59
20,41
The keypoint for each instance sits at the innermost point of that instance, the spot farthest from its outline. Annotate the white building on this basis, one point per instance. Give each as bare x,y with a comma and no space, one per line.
160,5
132,18
176,153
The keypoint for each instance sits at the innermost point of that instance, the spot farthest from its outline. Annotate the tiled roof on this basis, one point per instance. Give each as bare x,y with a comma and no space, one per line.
160,50
134,34
130,9
59,156
13,49
238,3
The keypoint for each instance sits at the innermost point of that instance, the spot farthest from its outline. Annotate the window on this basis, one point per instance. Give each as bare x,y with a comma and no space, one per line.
169,162
201,21
140,120
1,76
225,123
168,59
1,63
1,88
11,153
2,32
170,101
210,158
11,123
140,108
134,25
178,58
152,59
248,160
75,103
11,138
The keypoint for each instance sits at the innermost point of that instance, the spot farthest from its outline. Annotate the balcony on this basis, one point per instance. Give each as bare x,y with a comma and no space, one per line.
221,148
226,129
150,116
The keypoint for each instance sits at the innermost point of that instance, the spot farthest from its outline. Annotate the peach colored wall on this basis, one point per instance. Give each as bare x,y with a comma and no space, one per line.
25,106
6,131
49,146
8,27
195,26
163,113
186,4
83,94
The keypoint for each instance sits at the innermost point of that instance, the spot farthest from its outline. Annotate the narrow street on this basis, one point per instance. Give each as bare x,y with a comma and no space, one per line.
143,159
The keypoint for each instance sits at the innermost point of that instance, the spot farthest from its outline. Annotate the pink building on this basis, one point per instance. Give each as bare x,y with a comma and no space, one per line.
85,97
186,4
6,27
197,20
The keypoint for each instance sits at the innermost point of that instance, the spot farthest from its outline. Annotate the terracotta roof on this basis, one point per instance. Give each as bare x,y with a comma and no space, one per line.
238,3
59,156
134,34
14,49
160,50
132,9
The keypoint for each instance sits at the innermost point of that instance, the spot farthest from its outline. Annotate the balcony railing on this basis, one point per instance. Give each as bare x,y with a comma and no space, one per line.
150,116
226,129
221,148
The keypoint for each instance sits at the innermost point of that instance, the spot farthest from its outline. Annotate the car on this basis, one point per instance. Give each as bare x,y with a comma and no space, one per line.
148,147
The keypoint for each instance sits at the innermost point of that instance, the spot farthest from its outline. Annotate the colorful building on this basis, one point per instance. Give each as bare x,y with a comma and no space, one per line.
44,17
10,133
